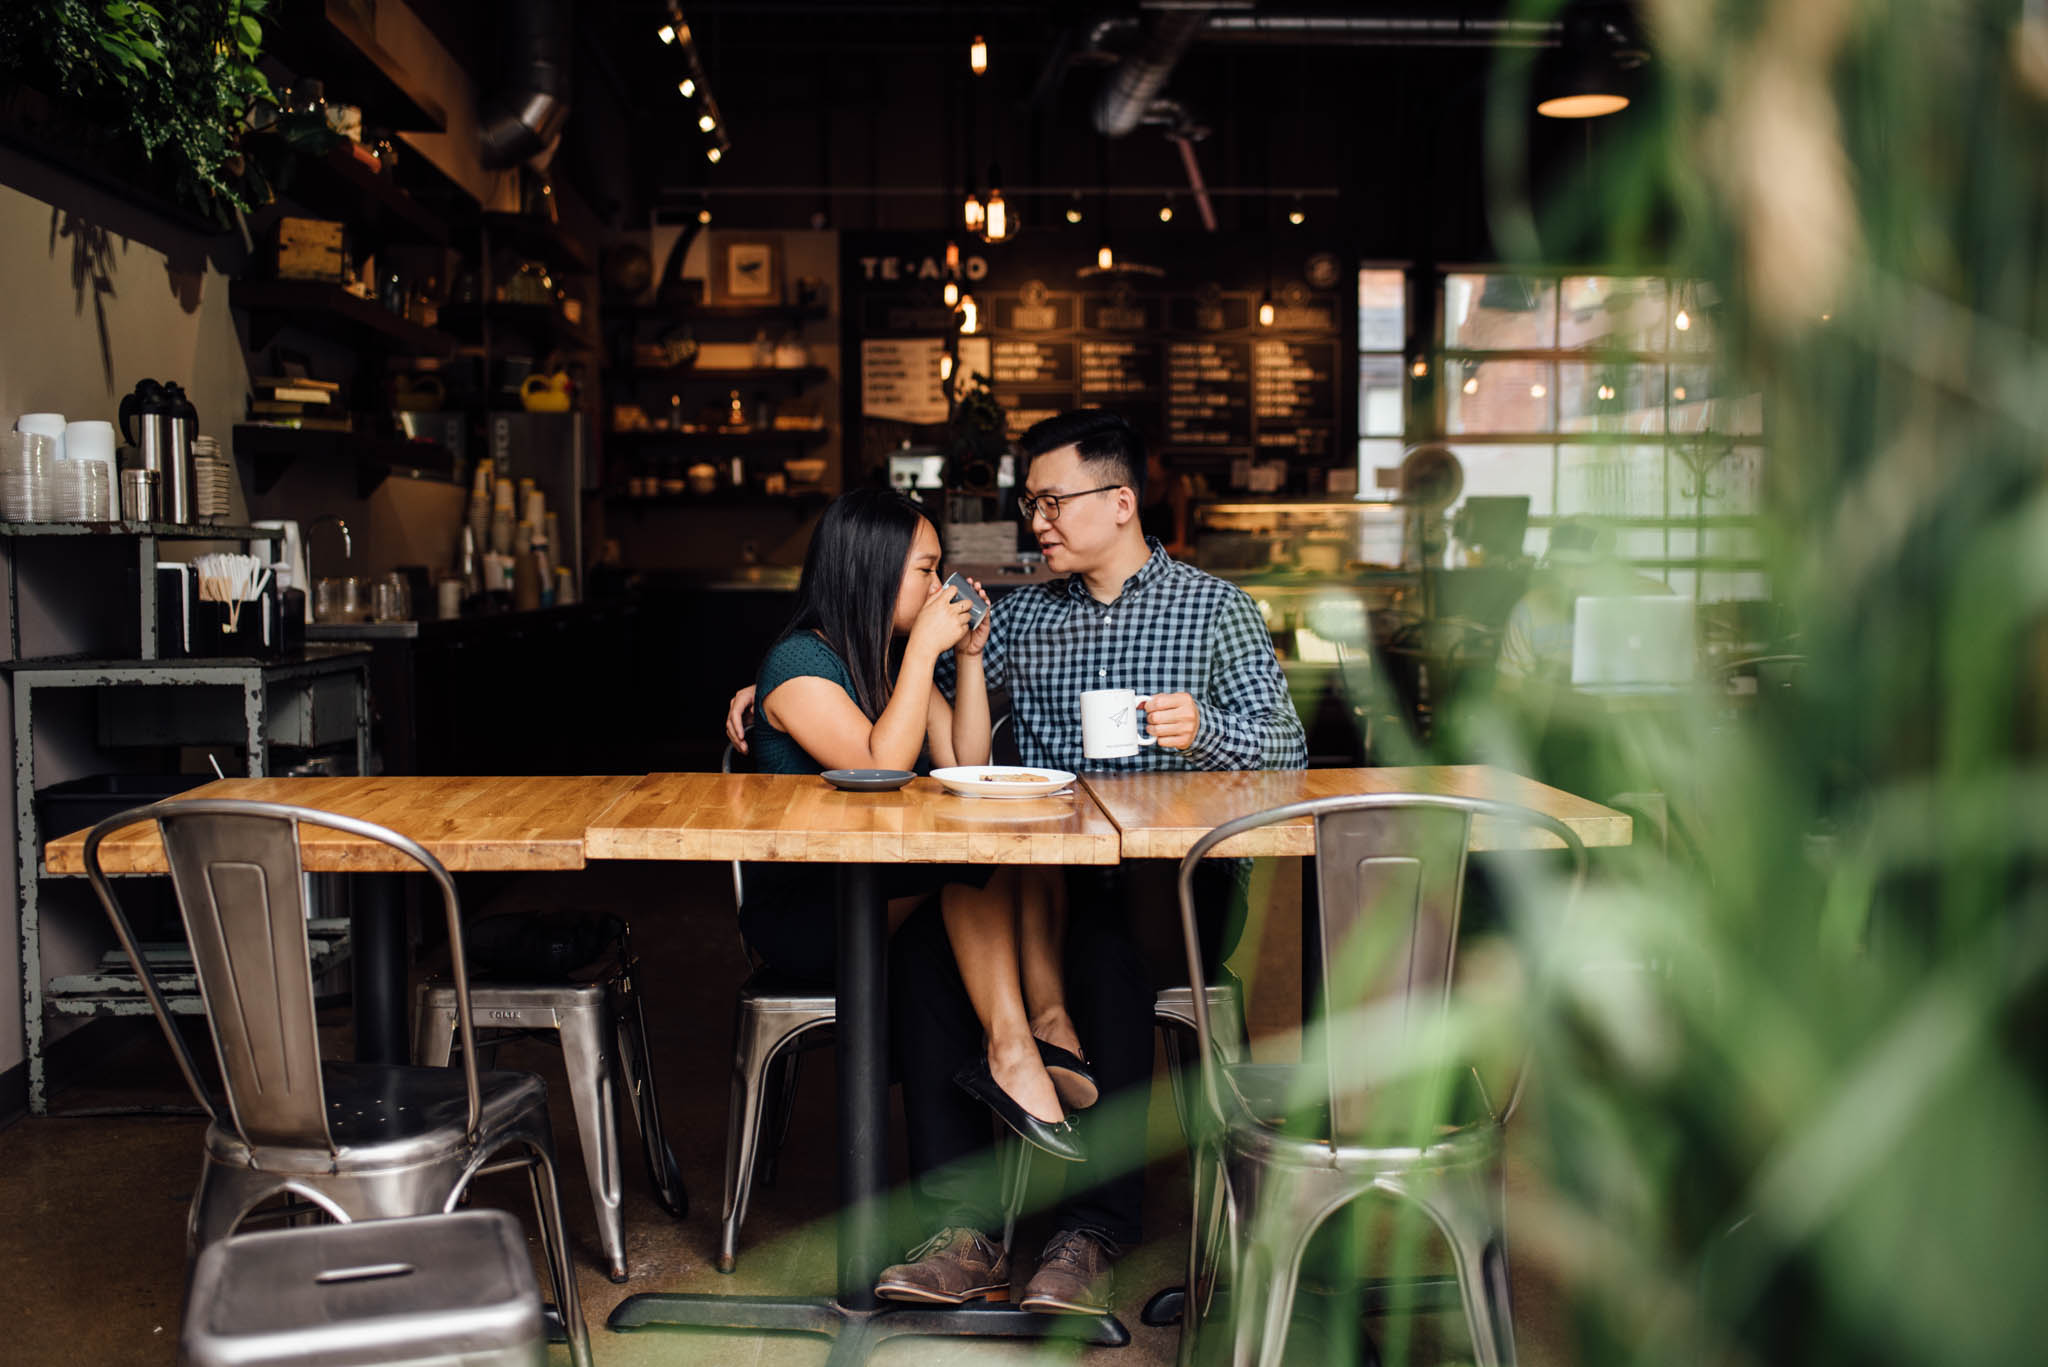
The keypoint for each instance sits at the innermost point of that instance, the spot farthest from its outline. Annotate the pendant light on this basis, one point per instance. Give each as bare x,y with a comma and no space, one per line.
997,226
971,213
1583,80
977,55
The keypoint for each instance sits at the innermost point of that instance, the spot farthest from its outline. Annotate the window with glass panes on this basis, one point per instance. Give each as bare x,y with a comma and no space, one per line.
1382,372
1594,396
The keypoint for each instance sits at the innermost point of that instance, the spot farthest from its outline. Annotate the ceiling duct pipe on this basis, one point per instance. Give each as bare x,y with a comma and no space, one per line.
1130,90
532,99
1381,30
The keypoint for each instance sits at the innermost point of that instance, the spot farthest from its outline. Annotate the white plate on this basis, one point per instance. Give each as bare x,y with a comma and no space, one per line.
970,780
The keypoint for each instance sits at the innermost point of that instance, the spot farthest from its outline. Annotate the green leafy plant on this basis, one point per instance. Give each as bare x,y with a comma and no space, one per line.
177,82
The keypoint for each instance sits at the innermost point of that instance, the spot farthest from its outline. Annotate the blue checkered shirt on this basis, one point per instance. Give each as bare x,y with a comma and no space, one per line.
1173,629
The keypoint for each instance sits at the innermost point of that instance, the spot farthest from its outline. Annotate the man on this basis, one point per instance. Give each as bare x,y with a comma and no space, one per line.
1121,615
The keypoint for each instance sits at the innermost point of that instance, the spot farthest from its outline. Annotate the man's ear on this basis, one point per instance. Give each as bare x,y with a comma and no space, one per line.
1126,504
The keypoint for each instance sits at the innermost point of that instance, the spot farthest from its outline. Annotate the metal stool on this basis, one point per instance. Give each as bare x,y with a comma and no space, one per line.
589,1017
396,1293
769,1022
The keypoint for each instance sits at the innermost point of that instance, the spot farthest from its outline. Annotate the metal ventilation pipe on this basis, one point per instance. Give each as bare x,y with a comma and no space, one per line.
1129,92
532,101
1381,30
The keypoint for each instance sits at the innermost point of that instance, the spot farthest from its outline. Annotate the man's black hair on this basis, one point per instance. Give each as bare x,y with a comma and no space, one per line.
1103,439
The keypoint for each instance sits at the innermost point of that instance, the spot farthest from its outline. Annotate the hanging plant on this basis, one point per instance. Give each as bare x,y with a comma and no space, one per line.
177,83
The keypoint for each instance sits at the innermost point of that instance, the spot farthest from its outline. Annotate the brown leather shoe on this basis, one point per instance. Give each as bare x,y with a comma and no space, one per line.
1073,1277
953,1266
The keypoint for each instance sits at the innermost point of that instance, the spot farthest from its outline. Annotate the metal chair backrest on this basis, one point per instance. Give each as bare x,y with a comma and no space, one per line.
1390,871
237,869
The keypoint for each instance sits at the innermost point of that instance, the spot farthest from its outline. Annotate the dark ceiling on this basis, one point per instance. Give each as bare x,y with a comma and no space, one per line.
859,114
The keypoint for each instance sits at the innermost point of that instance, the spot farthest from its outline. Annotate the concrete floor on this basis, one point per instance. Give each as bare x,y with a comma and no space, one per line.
92,1209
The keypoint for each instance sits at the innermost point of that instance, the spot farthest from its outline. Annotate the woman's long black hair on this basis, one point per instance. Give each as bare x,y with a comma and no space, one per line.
851,576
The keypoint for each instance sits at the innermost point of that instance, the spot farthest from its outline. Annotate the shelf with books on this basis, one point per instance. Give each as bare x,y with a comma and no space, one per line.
331,311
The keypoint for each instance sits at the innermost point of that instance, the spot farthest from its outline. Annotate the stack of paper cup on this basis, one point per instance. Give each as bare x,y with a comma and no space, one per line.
49,425
93,443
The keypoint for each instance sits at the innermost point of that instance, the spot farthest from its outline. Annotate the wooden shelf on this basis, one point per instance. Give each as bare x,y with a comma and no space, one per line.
742,313
271,450
330,310
340,186
683,374
542,323
765,440
531,235
722,498
330,42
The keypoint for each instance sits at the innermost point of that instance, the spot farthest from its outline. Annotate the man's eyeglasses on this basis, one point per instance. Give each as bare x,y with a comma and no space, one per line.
1049,504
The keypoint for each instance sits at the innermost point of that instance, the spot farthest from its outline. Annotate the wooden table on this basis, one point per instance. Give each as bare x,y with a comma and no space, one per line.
800,819
1161,815
469,824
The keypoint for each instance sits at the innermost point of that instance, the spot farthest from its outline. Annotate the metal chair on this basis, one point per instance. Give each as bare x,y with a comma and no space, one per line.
1174,1013
1280,1148
589,1017
359,1140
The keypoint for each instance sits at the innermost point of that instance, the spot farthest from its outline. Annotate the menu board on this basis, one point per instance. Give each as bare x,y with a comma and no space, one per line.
1171,339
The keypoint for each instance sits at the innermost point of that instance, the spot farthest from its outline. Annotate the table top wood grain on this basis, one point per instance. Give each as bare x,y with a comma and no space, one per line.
469,824
1160,815
799,818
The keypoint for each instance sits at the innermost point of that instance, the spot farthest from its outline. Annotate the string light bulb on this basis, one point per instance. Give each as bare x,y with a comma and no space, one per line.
1104,258
1683,322
1606,391
1296,217
1166,213
687,87
1073,213
706,122
1419,369
667,33
1471,385
970,315
1537,391
998,218
1265,310
971,214
977,55
703,215
713,155
951,293
1678,393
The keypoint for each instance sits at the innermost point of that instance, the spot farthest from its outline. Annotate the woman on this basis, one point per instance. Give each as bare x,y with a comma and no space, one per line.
824,699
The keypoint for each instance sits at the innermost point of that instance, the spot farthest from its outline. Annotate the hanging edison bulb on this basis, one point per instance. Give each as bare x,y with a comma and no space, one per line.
706,122
952,293
998,218
970,315
945,365
972,214
1683,322
1471,385
713,154
1265,310
1104,258
977,55
953,258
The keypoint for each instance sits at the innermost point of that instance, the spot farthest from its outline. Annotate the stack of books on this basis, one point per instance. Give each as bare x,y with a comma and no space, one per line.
294,401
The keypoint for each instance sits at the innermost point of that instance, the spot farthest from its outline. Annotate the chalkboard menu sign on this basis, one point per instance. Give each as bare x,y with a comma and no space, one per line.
1171,339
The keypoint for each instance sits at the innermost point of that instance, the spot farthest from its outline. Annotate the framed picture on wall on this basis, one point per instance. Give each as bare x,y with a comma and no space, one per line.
749,272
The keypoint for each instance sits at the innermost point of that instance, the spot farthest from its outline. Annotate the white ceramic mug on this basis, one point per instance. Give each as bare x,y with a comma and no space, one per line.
1109,724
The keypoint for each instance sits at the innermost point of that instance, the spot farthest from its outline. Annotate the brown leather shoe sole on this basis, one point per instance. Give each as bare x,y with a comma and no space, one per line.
1043,1304
924,1295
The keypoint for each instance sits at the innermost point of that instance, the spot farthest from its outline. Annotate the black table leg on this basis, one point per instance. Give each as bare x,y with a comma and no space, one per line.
377,952
855,1321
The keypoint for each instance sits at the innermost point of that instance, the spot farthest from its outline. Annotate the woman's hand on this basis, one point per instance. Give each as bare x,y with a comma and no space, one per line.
978,637
940,623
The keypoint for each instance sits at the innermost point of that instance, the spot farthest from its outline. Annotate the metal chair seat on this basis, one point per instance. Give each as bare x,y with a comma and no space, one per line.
386,1117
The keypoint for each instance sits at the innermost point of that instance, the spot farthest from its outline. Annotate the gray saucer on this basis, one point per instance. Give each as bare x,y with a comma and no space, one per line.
868,780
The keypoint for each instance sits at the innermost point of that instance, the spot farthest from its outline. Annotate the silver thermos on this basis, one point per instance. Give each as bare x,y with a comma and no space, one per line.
180,426
160,422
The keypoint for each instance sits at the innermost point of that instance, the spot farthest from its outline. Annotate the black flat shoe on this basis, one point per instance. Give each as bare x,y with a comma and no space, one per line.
1056,1138
1070,1076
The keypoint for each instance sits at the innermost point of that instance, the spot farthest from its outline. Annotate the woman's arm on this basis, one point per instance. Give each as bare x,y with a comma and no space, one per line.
819,715
959,731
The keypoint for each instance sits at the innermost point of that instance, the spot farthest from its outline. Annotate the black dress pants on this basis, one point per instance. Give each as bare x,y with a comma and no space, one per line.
1110,994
